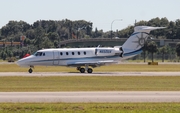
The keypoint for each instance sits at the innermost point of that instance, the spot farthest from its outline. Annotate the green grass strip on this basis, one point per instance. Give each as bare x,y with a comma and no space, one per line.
90,108
90,83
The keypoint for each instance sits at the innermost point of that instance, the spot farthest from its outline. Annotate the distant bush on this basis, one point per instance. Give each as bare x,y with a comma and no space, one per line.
11,59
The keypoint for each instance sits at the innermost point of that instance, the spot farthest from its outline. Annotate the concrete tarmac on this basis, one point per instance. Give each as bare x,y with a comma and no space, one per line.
91,74
105,96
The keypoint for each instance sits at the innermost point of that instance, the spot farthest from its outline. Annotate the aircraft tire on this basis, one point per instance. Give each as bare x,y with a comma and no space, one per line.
82,70
89,70
30,70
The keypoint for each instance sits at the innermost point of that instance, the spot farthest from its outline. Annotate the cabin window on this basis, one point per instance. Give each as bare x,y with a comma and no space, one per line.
43,54
38,54
61,53
84,52
67,53
72,53
78,53
35,54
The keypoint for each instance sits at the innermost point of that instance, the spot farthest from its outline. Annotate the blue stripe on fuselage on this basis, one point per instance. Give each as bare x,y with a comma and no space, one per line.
133,53
84,58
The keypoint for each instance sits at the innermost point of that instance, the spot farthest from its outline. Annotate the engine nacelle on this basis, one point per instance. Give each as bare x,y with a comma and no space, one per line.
119,51
122,52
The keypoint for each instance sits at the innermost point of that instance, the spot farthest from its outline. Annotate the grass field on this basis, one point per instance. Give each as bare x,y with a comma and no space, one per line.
112,68
90,108
90,83
87,83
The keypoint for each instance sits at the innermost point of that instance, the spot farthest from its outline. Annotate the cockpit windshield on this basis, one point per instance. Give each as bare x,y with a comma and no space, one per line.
39,54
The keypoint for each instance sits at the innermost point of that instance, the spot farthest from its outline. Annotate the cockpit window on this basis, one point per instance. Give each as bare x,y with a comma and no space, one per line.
39,54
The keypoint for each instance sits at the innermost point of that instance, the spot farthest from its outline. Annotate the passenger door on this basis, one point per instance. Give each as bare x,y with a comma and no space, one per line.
55,58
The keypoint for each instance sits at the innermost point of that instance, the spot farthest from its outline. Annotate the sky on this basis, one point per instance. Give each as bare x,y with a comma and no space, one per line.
104,14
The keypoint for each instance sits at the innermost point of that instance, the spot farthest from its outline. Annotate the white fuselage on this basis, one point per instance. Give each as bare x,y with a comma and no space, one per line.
65,57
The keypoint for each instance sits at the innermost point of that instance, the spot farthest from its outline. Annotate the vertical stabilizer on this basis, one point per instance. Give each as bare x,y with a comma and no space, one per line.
135,42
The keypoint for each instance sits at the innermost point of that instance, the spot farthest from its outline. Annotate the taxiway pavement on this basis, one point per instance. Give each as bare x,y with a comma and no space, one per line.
105,96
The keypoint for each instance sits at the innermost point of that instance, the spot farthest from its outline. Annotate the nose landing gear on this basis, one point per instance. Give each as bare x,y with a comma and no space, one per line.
30,70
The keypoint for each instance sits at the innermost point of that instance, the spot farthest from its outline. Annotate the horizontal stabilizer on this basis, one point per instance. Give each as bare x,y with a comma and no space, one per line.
146,29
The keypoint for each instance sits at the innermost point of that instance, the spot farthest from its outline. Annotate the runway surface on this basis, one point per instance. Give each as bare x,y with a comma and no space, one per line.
92,74
107,96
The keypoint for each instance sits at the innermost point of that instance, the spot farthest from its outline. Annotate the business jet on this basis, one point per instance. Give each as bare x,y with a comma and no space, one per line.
84,59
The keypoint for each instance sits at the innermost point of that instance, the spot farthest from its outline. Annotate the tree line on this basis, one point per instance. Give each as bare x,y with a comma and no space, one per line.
48,33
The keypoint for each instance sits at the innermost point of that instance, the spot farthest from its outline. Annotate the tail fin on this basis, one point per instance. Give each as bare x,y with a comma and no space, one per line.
135,42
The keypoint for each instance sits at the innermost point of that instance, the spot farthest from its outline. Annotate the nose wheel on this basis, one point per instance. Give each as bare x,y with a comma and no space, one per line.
30,70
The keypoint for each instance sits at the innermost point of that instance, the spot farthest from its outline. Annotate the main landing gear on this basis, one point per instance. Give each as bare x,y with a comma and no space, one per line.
30,69
82,70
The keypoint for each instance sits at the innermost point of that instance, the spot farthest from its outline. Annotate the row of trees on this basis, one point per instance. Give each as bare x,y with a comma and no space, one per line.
67,29
48,33
152,48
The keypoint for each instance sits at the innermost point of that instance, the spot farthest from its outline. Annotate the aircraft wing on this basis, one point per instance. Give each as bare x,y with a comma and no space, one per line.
92,63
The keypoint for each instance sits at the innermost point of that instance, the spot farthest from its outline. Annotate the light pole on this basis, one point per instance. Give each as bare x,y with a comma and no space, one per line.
112,24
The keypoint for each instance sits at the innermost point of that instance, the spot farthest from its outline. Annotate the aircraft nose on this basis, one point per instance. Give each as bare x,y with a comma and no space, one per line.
24,62
19,63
